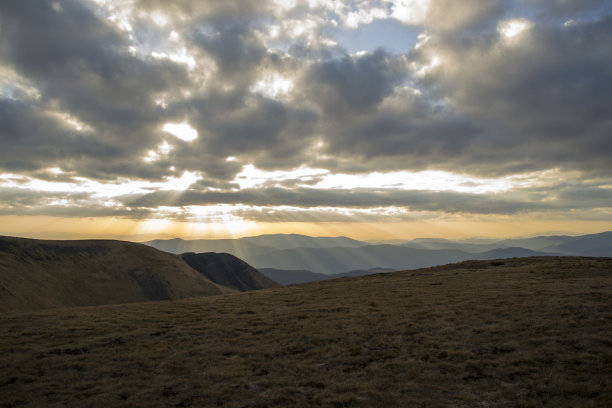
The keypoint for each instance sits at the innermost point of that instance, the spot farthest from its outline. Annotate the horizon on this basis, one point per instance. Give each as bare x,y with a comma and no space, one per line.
389,120
143,238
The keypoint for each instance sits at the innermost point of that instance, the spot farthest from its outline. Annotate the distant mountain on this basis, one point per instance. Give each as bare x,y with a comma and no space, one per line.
291,241
535,243
335,261
237,247
227,270
37,274
339,260
252,246
478,246
292,277
332,255
586,245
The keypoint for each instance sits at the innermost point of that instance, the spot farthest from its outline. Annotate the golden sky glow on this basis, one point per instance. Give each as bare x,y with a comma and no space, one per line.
113,228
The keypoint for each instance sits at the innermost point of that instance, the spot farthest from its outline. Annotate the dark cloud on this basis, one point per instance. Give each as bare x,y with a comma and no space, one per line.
541,97
407,132
569,8
80,66
233,45
412,200
353,85
31,140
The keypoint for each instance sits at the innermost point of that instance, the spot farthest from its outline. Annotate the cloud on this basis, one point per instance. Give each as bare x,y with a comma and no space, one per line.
352,85
567,8
542,96
491,89
234,46
90,77
449,16
309,198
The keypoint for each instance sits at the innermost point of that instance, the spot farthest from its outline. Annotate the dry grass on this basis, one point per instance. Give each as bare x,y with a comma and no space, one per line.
514,333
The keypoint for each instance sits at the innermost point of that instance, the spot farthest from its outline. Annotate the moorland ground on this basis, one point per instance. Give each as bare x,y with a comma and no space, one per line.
527,332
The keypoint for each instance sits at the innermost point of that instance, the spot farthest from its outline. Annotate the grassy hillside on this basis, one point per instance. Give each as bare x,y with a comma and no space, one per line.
508,333
37,274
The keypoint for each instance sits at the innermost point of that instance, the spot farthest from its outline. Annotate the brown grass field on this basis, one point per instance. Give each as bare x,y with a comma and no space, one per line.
532,332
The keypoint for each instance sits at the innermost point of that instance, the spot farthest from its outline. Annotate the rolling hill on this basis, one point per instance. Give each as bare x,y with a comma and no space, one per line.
37,274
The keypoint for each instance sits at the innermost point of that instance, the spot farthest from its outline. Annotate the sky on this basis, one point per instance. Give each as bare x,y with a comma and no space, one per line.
371,119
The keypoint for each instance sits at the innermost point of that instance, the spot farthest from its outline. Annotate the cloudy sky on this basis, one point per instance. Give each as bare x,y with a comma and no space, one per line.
368,118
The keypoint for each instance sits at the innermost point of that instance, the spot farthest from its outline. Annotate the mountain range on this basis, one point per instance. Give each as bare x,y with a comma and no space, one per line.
296,254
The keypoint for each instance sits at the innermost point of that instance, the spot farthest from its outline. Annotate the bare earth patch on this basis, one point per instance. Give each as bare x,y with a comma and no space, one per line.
528,332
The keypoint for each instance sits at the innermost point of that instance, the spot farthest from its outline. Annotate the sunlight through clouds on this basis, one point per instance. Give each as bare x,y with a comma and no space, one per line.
162,150
98,189
513,28
425,180
410,11
182,131
273,86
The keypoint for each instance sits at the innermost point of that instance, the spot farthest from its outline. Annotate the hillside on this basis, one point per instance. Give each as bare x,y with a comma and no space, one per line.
524,332
229,271
37,274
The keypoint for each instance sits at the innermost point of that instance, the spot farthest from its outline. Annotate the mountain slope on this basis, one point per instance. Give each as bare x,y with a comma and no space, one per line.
37,274
227,270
